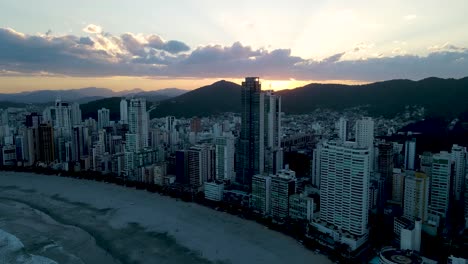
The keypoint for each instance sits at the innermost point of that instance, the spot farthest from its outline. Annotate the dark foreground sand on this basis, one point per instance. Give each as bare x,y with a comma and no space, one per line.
79,221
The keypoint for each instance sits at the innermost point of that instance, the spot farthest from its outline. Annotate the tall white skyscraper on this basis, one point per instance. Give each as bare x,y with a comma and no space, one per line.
416,197
459,162
410,154
272,124
138,121
62,130
124,111
225,157
365,132
103,118
63,117
76,114
365,137
440,183
344,187
343,129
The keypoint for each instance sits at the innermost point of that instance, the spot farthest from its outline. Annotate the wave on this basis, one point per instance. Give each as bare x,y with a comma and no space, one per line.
12,251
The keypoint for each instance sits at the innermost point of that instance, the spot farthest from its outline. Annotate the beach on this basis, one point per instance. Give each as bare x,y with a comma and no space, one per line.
79,221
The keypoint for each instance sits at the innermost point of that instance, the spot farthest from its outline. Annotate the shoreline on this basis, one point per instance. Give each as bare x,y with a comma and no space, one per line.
202,235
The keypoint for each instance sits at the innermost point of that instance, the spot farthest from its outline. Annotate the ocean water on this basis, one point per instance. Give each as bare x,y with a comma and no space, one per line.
12,251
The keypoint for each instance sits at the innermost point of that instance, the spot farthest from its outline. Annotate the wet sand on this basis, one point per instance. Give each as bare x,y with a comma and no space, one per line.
79,221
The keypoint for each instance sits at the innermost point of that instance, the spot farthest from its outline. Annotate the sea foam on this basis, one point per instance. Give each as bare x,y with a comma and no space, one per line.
12,251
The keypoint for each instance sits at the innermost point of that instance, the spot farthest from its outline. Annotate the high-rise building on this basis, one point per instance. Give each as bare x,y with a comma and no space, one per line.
46,143
416,197
181,168
138,121
426,163
343,129
170,123
76,114
344,192
398,180
315,167
250,153
63,118
365,137
78,142
283,185
272,128
33,120
459,163
301,207
440,183
225,157
124,111
261,190
201,162
195,124
365,132
103,118
410,154
385,168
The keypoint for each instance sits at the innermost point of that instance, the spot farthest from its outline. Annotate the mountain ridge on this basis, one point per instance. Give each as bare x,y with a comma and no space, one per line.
80,94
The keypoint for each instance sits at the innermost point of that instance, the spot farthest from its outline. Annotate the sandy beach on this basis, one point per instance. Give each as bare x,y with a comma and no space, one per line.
78,221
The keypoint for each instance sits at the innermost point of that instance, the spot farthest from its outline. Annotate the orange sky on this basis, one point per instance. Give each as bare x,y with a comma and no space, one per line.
15,84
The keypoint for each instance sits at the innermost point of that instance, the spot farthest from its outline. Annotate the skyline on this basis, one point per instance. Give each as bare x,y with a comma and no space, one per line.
54,45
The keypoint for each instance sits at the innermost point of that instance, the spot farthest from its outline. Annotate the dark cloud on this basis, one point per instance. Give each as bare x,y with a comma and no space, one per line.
333,58
171,46
103,54
86,41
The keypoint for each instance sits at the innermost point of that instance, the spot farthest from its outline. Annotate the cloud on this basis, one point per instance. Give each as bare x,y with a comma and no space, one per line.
446,47
103,54
171,46
92,29
333,58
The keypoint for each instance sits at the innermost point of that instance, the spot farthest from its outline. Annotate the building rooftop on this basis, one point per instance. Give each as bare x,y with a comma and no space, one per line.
392,255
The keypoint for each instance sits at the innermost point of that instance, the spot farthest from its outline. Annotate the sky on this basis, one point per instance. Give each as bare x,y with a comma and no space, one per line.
154,44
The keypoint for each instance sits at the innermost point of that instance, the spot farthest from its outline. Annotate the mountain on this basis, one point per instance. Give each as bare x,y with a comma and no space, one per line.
84,95
440,97
219,97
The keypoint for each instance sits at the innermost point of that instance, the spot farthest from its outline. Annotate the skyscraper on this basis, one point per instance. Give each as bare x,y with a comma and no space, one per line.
365,137
459,163
344,191
225,157
261,189
138,121
63,120
76,114
365,132
283,185
385,168
250,152
416,197
46,143
410,154
440,184
124,111
103,118
272,123
62,129
343,129
201,161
